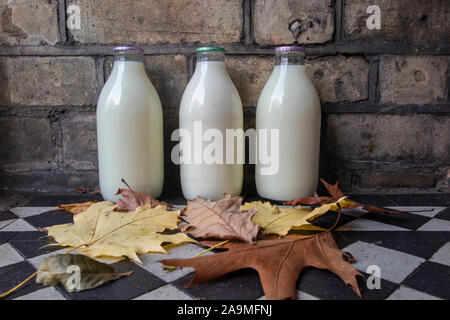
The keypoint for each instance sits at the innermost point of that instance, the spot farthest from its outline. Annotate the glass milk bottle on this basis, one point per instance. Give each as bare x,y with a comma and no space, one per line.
129,129
289,103
210,105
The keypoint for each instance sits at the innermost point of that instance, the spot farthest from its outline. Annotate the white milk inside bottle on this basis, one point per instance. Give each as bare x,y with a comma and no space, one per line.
129,129
289,103
210,101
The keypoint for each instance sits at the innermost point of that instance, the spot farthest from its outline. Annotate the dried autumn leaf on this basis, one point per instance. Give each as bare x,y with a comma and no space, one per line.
274,220
132,200
222,219
278,263
336,193
100,231
76,207
56,269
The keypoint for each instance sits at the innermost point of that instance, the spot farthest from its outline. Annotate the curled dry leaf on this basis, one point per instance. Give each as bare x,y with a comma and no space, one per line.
274,220
100,231
278,262
76,207
60,268
132,200
222,219
336,193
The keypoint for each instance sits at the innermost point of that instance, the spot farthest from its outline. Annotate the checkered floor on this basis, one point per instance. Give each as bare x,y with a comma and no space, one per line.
412,252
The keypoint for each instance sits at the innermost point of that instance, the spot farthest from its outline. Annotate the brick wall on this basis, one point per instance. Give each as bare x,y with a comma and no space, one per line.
385,93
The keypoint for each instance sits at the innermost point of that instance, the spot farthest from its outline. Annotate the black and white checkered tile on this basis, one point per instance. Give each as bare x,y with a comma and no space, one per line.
411,250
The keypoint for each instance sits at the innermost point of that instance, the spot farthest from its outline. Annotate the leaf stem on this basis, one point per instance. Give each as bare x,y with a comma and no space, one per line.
172,268
125,183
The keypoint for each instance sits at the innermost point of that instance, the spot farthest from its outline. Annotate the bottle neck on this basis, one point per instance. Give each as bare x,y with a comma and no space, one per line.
210,56
290,58
129,63
129,56
210,62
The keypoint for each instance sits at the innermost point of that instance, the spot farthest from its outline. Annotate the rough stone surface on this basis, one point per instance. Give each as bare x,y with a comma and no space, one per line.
50,81
25,22
272,20
25,144
389,138
335,78
156,22
340,78
373,180
413,79
55,180
249,75
80,142
411,20
441,139
168,74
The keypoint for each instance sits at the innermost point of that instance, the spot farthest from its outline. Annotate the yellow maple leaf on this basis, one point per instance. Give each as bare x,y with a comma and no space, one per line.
101,232
274,220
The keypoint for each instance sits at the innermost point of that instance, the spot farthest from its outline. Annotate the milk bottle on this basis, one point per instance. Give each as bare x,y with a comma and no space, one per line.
289,103
210,101
129,129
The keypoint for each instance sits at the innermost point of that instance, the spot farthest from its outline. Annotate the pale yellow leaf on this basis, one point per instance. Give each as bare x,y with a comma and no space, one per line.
274,220
102,232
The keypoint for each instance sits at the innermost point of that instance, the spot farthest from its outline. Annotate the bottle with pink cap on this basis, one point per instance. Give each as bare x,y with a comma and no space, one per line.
290,106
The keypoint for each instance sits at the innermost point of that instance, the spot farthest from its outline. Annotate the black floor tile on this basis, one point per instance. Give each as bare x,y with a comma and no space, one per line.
239,285
5,236
444,214
434,199
125,288
12,275
7,215
328,220
432,278
323,284
372,199
405,220
32,243
50,218
48,200
420,244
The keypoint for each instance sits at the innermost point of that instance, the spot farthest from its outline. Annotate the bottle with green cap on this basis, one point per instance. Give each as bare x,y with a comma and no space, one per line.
211,162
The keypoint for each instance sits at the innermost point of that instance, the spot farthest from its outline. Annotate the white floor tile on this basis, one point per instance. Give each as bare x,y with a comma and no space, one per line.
19,225
8,255
167,292
442,256
436,224
407,293
24,212
149,262
426,210
36,261
48,293
394,265
6,223
362,224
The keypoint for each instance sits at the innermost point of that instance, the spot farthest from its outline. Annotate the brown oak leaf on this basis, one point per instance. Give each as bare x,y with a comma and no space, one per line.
336,193
222,219
278,262
131,200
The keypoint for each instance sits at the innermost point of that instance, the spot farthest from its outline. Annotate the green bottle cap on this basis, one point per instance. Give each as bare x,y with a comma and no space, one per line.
210,49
